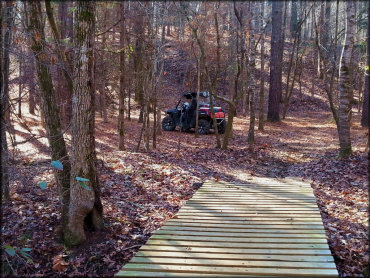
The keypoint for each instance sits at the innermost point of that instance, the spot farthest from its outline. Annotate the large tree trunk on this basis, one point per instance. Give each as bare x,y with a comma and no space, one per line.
275,89
346,83
85,205
49,105
122,95
365,105
4,82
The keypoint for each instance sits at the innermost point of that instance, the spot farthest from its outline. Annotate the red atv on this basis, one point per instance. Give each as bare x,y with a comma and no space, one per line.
184,114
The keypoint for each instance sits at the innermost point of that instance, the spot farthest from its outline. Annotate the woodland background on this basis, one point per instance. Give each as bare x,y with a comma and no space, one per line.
86,172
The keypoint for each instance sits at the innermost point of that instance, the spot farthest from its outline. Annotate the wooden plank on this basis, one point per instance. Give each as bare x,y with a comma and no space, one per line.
257,201
256,195
266,218
254,245
274,271
241,234
248,225
225,250
221,192
227,262
144,273
239,256
256,191
250,208
240,205
246,210
244,222
240,230
256,186
245,197
239,239
257,182
250,213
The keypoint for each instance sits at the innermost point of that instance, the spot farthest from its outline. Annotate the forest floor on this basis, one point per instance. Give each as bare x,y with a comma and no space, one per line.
141,190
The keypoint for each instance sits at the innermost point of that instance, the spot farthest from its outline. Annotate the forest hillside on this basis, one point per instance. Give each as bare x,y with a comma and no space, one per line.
93,162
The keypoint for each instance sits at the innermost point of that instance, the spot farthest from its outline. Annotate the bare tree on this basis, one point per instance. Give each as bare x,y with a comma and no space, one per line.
346,83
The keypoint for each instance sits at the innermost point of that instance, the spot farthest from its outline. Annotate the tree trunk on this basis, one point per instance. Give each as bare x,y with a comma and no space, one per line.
139,60
20,81
326,29
49,106
251,69
5,94
198,91
346,83
122,95
275,89
85,205
365,105
32,91
66,85
321,33
262,84
103,69
293,18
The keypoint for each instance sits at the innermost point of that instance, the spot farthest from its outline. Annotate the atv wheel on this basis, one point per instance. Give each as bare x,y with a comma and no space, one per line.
168,123
222,127
203,127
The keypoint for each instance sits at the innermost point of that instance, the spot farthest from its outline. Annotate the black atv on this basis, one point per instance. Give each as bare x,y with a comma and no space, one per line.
184,114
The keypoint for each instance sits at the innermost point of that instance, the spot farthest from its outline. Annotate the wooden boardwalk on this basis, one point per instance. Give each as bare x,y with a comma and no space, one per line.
266,227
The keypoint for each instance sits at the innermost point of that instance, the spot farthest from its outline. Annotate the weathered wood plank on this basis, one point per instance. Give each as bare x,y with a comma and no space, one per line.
257,218
238,239
274,271
239,256
232,209
241,234
254,245
250,213
144,273
239,230
245,222
224,250
249,225
227,262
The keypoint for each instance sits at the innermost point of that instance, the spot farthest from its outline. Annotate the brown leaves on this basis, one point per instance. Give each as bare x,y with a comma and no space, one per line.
59,264
37,36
